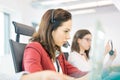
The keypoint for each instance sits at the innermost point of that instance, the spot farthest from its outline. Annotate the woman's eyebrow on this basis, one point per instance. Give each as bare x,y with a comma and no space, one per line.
67,28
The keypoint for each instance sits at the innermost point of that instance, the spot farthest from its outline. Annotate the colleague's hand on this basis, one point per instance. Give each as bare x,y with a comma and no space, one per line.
107,48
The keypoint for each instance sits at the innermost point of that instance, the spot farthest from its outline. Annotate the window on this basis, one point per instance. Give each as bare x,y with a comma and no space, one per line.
4,33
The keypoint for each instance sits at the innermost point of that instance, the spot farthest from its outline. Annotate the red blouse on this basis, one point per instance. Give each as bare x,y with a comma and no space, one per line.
36,59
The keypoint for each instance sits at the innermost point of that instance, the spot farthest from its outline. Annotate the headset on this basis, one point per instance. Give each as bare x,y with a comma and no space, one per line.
52,16
52,19
111,52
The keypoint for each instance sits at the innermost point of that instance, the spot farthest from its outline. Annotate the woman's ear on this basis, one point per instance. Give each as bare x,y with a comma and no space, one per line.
78,40
53,33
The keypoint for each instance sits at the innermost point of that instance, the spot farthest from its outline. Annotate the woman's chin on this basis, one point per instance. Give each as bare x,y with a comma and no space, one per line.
87,48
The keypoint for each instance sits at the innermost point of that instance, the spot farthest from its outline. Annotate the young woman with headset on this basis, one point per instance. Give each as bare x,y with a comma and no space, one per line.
44,50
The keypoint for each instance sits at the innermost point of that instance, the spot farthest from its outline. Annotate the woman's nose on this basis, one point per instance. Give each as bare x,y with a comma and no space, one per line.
68,36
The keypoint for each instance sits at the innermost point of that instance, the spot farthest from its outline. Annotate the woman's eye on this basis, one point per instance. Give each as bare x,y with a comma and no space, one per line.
65,31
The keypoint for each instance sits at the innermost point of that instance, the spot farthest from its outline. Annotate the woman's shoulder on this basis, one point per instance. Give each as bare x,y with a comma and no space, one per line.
74,53
35,45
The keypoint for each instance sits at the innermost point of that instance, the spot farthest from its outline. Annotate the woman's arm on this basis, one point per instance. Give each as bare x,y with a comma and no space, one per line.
107,68
46,75
31,60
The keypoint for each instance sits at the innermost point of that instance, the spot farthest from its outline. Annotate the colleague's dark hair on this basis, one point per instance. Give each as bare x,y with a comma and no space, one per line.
50,21
79,34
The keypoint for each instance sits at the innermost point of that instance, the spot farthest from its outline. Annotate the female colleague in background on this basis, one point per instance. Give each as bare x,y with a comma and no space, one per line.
44,50
79,56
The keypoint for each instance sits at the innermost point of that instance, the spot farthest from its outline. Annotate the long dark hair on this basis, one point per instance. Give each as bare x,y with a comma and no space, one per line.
79,34
50,21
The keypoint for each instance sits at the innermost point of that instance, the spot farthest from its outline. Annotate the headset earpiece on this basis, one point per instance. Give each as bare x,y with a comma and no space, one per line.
111,51
52,16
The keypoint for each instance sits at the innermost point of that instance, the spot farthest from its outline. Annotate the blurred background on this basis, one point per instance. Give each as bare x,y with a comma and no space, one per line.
101,17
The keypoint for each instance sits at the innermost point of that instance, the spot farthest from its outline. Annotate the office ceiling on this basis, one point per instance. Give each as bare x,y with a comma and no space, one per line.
101,9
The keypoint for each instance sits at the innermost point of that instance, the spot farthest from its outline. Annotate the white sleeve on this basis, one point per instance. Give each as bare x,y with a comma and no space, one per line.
75,60
107,62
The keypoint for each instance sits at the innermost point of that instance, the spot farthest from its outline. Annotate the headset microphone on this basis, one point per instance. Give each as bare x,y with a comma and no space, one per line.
66,44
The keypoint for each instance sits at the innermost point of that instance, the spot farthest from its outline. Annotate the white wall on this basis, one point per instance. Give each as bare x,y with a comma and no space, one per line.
10,6
22,12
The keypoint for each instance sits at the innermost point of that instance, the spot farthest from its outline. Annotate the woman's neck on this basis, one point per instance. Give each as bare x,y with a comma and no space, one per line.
82,51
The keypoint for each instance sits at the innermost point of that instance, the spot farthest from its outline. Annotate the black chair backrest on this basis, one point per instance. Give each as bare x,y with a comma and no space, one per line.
21,29
17,50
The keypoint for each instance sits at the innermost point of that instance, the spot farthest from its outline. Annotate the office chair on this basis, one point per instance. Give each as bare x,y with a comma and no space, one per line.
66,54
23,30
17,48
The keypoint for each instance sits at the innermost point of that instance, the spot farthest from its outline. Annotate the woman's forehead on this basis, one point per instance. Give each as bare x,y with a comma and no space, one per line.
88,35
67,24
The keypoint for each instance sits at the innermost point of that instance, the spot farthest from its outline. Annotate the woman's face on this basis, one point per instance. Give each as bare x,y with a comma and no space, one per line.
62,33
85,42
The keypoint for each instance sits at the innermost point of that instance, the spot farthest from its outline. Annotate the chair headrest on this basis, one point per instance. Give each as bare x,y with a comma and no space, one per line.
23,29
